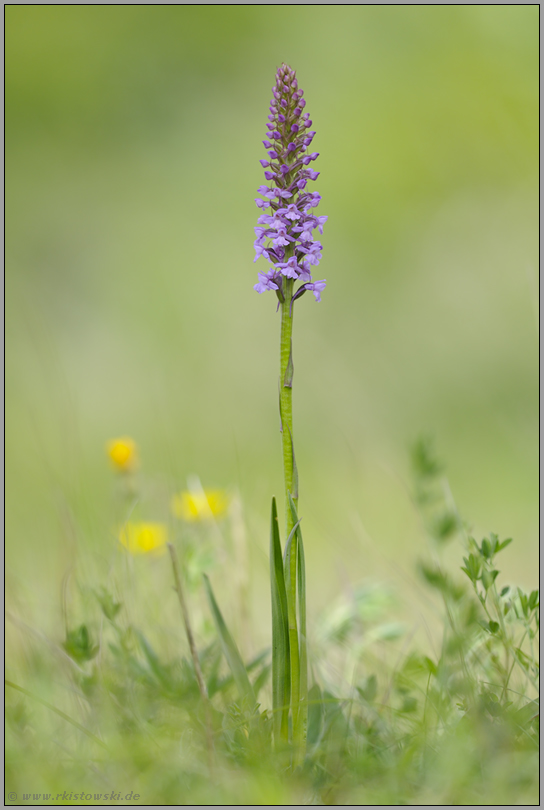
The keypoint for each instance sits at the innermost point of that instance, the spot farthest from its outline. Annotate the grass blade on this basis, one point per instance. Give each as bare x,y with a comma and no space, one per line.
60,713
281,664
153,662
315,715
230,650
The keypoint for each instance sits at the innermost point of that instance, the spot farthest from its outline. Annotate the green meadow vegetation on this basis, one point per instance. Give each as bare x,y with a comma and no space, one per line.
130,707
187,622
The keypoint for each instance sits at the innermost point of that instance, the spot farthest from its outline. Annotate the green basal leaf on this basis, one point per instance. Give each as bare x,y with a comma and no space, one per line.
281,664
302,630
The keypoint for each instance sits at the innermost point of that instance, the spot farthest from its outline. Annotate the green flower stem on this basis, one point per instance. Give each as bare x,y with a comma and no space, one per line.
291,489
286,401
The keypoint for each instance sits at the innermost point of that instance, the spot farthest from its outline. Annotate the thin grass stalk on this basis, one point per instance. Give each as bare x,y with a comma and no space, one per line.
194,654
60,713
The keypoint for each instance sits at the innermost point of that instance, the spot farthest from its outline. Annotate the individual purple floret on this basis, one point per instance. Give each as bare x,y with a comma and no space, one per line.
285,232
314,286
267,281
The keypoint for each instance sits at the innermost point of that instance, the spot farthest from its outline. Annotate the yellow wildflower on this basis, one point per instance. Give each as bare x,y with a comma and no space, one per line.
200,506
123,453
144,538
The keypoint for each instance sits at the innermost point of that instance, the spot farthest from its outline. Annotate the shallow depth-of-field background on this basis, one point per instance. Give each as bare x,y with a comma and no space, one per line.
133,139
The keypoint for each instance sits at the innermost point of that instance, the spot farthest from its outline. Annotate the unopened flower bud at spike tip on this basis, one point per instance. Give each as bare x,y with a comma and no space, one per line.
284,235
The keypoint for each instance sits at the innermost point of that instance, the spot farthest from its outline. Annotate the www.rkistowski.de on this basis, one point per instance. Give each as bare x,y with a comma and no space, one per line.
113,796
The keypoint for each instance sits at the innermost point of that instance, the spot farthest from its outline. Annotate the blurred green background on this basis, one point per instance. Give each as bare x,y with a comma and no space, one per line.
133,139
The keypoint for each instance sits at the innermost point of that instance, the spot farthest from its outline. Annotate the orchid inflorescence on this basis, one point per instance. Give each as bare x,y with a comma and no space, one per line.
285,236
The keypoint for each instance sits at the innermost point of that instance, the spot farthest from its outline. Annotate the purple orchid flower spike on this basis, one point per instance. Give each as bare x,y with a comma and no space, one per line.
286,236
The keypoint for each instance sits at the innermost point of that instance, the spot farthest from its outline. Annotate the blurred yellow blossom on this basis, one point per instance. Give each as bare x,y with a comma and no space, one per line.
200,506
123,453
144,538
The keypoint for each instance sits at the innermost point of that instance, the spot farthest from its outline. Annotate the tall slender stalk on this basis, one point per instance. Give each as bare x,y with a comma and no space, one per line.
284,238
286,402
194,654
290,476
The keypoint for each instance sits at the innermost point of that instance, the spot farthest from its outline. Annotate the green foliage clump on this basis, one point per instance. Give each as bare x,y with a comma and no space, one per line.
385,721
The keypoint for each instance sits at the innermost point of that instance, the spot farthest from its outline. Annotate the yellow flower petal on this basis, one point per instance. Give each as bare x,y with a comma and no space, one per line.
144,538
194,506
123,453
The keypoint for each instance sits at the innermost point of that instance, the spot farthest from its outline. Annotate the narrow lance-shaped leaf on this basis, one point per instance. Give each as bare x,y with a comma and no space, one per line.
301,598
290,572
281,667
230,650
